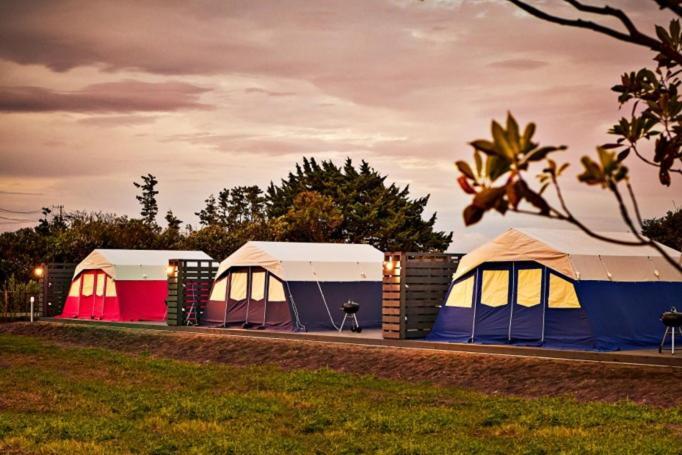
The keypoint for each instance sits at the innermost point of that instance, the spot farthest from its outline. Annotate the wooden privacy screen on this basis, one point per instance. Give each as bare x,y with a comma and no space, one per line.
414,286
55,287
189,287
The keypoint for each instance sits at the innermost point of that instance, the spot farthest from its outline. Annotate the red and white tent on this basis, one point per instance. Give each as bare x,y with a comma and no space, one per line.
123,285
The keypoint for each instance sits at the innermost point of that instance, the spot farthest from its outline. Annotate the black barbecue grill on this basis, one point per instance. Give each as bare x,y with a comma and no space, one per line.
672,320
350,310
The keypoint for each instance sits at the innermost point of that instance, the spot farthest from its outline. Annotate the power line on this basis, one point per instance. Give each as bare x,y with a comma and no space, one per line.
15,222
29,212
16,219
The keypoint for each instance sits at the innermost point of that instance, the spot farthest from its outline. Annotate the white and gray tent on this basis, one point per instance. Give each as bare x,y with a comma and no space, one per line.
296,286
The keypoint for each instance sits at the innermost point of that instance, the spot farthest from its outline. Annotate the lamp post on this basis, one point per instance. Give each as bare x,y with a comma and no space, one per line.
39,274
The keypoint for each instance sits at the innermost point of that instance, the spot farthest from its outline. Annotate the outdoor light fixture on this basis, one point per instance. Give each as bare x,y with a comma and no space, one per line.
38,272
170,270
389,265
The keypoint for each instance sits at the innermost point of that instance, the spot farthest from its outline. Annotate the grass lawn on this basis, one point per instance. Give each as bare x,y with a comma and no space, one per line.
83,400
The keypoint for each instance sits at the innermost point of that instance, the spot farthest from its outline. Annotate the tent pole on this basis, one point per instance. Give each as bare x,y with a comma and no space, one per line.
473,322
227,297
80,291
248,296
511,301
266,283
544,302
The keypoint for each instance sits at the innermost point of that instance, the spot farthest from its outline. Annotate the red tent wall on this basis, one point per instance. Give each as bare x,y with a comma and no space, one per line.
142,300
138,300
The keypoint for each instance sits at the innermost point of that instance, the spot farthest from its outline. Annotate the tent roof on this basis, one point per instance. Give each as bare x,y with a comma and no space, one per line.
576,255
135,264
301,261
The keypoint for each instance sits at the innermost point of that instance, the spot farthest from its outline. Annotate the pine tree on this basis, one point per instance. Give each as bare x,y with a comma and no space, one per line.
208,216
147,199
173,221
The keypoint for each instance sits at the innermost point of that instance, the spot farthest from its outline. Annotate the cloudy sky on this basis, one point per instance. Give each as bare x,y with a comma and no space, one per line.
208,94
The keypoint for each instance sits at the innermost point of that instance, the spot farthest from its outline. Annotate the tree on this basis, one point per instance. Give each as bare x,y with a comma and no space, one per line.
499,182
173,221
208,216
666,230
312,218
150,208
382,215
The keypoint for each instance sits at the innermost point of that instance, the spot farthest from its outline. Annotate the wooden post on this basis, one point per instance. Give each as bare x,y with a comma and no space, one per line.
414,286
189,286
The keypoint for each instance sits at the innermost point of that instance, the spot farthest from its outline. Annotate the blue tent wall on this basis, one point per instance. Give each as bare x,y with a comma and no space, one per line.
613,315
626,315
454,324
311,308
492,323
526,322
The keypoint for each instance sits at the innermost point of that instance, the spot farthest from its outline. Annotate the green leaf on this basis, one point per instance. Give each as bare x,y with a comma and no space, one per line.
479,162
501,143
528,135
662,34
484,146
512,129
465,169
496,167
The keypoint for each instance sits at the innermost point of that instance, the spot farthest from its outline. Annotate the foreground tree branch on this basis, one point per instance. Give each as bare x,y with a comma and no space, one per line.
633,36
673,6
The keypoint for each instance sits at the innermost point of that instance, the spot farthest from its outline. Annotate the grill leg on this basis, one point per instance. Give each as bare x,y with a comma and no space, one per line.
343,322
665,335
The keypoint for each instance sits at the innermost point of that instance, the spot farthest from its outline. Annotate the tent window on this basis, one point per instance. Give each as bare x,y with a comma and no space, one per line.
111,287
562,293
238,285
275,290
528,287
495,288
75,289
462,294
88,284
99,288
219,290
257,285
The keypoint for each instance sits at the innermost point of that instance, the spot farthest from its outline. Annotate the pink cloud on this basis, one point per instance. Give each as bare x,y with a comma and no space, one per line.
123,96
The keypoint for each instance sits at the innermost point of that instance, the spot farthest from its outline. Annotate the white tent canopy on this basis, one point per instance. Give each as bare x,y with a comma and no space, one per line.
576,255
135,264
297,261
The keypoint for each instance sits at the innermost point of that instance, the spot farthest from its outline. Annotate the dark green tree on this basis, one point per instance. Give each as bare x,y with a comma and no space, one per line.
312,218
666,230
150,208
373,212
173,221
209,215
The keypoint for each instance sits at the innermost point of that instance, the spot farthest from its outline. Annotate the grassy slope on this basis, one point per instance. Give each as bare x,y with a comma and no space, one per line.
73,400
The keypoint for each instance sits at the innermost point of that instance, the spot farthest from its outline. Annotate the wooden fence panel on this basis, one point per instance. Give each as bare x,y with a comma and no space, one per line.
55,287
189,288
414,286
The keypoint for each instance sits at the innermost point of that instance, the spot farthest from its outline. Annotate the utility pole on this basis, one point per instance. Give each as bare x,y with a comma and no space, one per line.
61,213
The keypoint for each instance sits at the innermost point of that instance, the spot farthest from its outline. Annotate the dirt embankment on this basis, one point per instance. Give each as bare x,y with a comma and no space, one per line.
528,377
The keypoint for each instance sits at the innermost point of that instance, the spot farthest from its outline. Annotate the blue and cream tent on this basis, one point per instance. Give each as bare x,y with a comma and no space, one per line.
560,288
296,286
